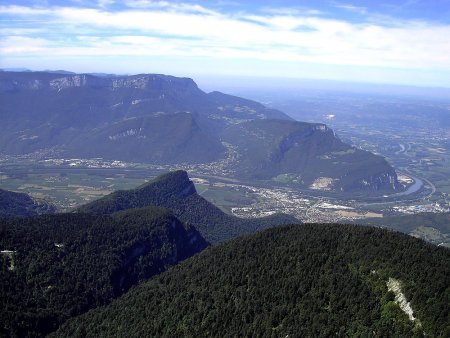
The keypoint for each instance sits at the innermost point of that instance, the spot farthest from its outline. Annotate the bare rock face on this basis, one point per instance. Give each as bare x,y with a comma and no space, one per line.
82,80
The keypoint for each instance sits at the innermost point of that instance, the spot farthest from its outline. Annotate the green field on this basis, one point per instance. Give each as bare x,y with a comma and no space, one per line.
224,197
66,189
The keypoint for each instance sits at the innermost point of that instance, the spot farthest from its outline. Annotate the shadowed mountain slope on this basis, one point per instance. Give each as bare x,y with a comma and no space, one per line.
20,204
54,267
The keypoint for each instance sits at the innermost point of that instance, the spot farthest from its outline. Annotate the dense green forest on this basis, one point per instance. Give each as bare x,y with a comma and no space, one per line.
19,204
176,192
54,267
307,280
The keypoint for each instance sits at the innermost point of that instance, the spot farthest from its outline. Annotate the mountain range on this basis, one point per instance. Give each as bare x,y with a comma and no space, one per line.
163,119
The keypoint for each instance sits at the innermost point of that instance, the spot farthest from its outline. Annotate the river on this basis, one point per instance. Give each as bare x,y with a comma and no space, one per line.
418,183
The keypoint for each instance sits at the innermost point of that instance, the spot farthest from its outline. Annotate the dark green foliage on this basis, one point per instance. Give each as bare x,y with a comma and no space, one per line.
66,264
176,192
302,281
19,204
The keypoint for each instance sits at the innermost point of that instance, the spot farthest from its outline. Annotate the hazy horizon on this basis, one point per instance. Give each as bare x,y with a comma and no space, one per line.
246,86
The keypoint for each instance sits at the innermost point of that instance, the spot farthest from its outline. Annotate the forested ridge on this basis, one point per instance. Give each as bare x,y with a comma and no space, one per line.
308,280
63,265
176,192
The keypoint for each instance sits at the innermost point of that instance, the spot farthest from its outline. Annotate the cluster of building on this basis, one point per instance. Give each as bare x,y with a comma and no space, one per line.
415,209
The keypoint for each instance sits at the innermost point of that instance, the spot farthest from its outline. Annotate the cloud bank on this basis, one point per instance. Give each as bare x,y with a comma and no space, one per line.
165,29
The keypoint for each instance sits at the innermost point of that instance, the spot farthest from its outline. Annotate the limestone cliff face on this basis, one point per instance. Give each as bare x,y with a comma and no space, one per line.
34,81
81,80
386,180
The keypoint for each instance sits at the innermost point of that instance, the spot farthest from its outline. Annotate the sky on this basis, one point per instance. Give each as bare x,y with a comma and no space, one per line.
394,42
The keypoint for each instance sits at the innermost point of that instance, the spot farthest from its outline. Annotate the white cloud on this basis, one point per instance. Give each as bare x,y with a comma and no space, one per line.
105,3
351,8
291,11
149,4
23,10
22,44
169,29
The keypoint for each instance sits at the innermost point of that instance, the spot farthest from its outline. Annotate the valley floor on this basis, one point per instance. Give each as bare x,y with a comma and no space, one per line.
68,183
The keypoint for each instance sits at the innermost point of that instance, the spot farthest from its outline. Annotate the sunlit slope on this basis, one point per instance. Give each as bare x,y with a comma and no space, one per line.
309,153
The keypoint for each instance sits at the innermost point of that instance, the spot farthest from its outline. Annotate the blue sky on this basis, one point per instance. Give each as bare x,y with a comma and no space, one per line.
395,42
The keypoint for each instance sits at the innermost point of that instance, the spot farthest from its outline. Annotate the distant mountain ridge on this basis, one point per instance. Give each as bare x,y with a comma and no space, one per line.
163,119
58,81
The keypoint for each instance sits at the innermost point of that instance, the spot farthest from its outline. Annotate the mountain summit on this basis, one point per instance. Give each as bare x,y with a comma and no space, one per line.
175,191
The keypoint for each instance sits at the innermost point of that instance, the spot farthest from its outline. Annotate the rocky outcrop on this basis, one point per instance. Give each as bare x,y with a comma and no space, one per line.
382,181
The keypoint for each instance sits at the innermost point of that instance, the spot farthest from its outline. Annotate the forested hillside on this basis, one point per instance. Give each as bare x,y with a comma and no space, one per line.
176,192
54,267
298,281
19,204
